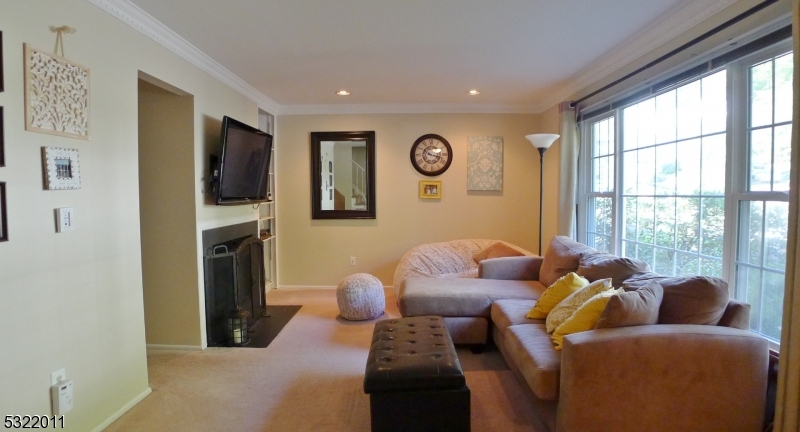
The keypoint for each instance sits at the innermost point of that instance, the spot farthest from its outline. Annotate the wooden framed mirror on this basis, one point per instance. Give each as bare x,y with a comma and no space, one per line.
343,175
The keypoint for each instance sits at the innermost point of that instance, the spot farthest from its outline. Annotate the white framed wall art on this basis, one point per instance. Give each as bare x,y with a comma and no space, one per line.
56,95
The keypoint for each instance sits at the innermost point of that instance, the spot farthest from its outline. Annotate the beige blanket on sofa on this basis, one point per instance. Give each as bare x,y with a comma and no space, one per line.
451,259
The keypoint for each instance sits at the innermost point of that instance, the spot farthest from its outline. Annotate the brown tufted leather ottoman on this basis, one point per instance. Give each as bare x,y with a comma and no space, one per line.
414,378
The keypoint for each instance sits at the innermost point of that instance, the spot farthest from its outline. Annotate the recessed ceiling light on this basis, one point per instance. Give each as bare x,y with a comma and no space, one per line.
342,92
473,92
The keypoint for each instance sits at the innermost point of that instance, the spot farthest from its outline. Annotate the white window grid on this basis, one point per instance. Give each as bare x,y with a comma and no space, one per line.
736,169
601,186
742,195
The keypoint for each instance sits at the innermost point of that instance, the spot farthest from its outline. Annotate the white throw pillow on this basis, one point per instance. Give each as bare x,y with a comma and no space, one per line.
569,305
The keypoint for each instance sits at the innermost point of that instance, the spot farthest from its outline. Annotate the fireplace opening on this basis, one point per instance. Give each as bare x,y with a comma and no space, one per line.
234,290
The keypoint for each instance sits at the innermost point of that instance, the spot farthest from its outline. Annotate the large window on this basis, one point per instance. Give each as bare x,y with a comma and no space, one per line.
763,185
694,180
601,187
673,185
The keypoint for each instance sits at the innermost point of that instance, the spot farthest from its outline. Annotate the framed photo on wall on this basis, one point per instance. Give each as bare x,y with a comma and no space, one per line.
2,88
61,168
430,189
3,219
2,140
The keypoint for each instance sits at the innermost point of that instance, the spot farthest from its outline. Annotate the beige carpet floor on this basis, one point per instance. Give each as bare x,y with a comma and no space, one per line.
308,379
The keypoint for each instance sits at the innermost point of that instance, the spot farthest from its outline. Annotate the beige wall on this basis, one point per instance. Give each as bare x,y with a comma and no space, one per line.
316,252
166,206
74,299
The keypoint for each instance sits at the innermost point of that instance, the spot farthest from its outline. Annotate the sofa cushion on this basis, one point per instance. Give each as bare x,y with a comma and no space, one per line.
687,300
633,308
562,257
584,318
506,313
511,268
467,330
555,293
461,297
736,315
603,265
569,305
530,348
496,250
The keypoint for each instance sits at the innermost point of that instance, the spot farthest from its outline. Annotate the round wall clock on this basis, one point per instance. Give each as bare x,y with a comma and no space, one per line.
431,155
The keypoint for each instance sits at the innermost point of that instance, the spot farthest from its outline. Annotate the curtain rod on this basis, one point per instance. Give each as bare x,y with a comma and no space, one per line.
689,44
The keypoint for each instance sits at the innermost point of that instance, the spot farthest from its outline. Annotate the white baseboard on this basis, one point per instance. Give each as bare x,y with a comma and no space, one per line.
122,410
305,287
158,347
310,287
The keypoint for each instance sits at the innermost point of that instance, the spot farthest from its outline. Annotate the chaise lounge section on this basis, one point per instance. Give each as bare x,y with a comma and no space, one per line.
698,369
441,279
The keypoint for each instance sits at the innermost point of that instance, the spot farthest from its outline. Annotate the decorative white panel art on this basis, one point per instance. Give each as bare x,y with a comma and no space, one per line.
56,95
485,164
61,168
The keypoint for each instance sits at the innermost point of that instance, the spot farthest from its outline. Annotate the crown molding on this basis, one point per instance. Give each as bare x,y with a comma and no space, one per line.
141,21
446,108
680,19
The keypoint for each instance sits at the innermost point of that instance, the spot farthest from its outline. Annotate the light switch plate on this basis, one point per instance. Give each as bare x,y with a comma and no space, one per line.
65,220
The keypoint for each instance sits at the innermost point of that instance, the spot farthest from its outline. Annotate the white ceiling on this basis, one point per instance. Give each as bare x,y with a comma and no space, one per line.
519,53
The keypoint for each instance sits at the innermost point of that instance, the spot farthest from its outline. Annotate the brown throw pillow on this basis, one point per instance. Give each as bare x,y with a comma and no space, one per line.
562,258
687,300
496,250
638,280
632,308
693,300
602,265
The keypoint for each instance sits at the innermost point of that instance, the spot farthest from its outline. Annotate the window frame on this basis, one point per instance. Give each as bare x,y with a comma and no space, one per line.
737,169
736,166
585,179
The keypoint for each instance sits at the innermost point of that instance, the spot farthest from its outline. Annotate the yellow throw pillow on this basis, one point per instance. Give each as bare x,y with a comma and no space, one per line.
585,317
553,295
569,305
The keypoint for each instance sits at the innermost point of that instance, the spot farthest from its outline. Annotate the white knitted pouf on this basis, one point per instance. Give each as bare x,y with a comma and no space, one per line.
360,297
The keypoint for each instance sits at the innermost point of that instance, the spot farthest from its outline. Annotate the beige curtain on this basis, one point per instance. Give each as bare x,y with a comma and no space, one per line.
788,403
568,177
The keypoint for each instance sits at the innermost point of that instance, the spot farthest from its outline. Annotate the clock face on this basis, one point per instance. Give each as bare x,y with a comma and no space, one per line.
431,155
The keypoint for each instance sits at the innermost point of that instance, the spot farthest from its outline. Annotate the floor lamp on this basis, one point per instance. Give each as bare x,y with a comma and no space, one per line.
542,142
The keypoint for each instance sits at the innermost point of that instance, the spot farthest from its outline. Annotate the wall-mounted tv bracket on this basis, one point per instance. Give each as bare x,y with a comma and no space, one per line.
213,180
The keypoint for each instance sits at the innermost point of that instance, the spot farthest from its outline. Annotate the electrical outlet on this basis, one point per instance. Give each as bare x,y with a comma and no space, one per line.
59,375
352,261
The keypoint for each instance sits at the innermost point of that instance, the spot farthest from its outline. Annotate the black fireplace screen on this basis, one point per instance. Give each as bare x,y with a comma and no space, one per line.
234,273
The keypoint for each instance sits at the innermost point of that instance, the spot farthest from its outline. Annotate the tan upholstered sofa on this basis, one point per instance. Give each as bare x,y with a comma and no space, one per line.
441,279
698,369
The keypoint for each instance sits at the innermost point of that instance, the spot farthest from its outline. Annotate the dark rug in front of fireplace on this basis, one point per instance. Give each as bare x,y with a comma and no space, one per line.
266,329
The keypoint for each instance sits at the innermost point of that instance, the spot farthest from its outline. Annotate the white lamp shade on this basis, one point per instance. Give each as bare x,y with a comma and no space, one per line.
542,140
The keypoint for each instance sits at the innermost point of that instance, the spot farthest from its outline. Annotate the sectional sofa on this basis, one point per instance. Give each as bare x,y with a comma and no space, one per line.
698,369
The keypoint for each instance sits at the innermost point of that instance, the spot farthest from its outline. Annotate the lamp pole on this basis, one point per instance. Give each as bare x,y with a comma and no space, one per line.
542,142
541,192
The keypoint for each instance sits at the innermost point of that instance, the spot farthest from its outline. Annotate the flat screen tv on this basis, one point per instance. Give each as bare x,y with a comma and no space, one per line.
244,164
